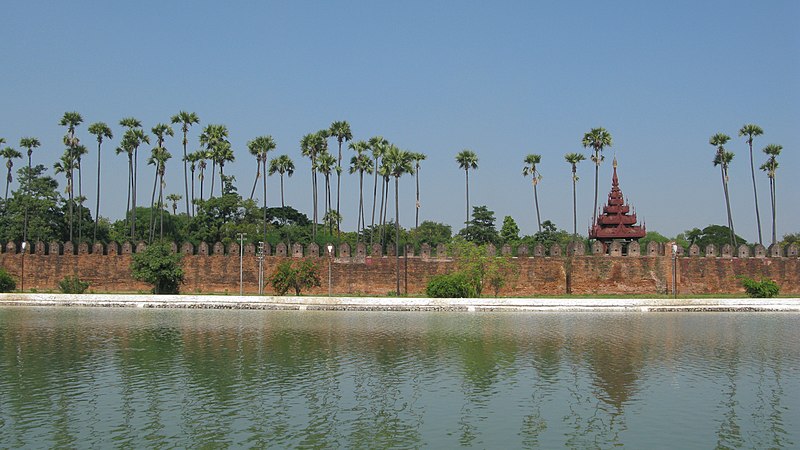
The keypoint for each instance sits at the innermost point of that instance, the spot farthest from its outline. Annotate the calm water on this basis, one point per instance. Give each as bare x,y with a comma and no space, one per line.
99,378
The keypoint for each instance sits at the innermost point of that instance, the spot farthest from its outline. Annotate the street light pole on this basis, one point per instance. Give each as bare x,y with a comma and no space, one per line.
241,236
674,270
260,256
330,260
22,278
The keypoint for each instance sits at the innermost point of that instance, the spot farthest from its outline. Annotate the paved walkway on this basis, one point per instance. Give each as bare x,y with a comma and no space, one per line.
400,304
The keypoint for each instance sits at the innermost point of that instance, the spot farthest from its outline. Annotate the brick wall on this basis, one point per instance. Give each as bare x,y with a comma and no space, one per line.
586,275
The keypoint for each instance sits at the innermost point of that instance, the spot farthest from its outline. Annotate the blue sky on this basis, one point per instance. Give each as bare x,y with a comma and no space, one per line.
501,78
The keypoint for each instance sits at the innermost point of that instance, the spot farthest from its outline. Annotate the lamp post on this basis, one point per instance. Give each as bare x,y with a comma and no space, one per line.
330,260
22,278
260,256
674,270
241,236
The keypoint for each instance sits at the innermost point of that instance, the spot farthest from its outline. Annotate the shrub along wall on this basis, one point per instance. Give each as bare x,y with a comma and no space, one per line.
218,272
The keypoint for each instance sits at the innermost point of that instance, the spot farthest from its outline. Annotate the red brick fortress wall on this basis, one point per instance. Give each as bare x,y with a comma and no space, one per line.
108,270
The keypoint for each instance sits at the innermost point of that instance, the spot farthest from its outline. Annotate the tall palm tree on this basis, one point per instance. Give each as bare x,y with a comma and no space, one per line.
30,143
417,158
215,140
70,120
311,145
398,162
282,165
174,199
360,163
101,131
260,147
78,151
377,145
223,153
722,158
202,157
186,119
341,131
573,159
158,157
773,150
597,139
530,169
326,163
192,159
751,130
133,138
467,159
66,166
9,154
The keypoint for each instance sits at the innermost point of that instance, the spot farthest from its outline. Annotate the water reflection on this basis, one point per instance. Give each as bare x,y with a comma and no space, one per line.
78,377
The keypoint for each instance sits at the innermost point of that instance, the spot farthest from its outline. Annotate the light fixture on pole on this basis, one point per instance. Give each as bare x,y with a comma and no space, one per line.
241,236
330,260
674,270
22,278
260,257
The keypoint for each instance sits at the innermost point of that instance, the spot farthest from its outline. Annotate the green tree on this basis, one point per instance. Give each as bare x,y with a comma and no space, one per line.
326,163
38,195
718,235
481,229
133,138
597,139
378,146
399,163
467,159
158,158
186,119
530,169
722,158
573,159
770,166
312,145
174,199
509,232
260,147
78,151
295,275
360,163
159,267
432,233
101,131
751,130
214,139
480,269
30,143
9,154
66,165
550,235
283,164
418,157
341,131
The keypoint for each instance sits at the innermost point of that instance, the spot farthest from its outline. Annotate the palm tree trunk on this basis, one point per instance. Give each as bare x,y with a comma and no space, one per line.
255,182
134,184
381,214
574,208
773,194
213,169
314,196
192,202
728,206
338,186
328,206
27,191
8,181
80,203
128,203
596,176
536,202
185,176
71,205
397,231
264,185
202,179
374,202
283,204
360,219
152,228
755,192
161,208
416,205
466,171
97,196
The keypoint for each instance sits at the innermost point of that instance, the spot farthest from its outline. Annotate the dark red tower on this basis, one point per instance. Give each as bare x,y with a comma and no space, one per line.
616,223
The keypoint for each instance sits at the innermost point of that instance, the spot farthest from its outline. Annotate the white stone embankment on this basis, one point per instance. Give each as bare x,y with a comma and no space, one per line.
401,304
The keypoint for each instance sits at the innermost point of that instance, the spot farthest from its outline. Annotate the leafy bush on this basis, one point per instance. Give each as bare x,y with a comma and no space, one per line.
72,285
157,265
7,284
764,288
289,275
452,285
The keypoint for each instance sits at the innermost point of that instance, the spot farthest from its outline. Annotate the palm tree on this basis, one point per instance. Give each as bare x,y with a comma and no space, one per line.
70,120
378,146
30,143
574,159
773,150
133,138
78,151
158,158
341,131
326,163
192,159
260,147
174,199
66,165
9,154
722,158
311,145
101,131
530,169
202,156
186,119
398,162
223,153
597,139
215,140
417,158
282,165
467,159
360,163
751,130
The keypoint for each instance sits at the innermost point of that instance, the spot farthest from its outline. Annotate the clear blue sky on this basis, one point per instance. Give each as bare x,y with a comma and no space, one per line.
501,78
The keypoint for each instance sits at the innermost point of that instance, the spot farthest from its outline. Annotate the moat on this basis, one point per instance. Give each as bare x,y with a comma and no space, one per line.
91,377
